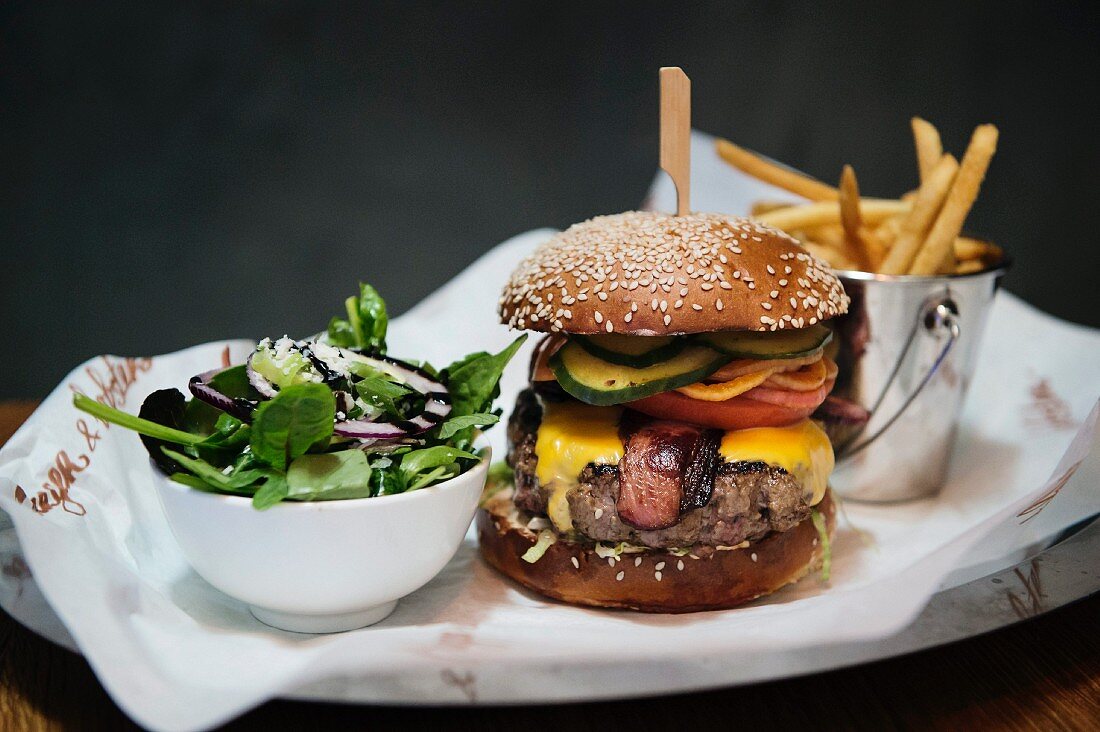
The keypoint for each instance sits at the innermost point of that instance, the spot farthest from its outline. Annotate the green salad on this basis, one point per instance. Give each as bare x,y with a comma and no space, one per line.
323,418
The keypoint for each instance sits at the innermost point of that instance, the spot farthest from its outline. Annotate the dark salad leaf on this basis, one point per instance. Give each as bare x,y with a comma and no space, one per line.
166,407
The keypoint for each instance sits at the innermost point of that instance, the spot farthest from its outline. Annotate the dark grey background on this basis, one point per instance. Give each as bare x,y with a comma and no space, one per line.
172,173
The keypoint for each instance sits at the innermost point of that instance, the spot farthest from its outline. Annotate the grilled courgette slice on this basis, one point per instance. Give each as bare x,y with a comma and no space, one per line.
596,381
768,344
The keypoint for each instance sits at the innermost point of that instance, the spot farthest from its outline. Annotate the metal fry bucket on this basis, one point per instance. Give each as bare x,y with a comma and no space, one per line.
906,351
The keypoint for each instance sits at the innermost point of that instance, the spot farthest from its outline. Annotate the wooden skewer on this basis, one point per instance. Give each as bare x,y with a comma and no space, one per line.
676,133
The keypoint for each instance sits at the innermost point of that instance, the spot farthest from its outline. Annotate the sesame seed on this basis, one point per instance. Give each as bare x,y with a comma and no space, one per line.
611,562
753,556
657,576
637,561
680,564
576,564
598,316
696,306
620,575
659,566
599,513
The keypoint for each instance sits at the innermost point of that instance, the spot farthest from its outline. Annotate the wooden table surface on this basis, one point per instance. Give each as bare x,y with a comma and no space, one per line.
1038,675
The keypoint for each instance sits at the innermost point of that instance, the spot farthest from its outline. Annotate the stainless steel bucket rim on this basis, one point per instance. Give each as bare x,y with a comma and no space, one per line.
998,269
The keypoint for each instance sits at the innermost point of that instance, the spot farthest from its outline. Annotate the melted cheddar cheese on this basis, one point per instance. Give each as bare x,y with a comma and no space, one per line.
573,435
802,449
570,437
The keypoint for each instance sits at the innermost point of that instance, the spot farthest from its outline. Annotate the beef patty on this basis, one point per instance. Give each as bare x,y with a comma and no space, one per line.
749,500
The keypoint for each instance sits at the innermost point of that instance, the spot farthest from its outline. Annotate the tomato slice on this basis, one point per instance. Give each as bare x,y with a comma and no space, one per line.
738,413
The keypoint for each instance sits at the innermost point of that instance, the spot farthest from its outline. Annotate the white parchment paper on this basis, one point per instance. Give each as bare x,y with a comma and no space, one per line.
177,654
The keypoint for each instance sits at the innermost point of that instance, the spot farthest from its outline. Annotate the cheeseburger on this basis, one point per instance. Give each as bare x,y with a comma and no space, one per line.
664,458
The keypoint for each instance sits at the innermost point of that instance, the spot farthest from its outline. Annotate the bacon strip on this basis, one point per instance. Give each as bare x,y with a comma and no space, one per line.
700,471
667,467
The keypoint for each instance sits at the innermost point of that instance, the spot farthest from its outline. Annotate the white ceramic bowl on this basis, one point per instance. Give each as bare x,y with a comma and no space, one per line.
325,566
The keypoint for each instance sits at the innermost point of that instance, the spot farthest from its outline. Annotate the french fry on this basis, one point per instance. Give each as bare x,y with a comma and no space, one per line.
969,248
866,247
969,266
774,174
831,256
929,147
810,215
850,217
938,249
888,230
762,207
915,226
831,235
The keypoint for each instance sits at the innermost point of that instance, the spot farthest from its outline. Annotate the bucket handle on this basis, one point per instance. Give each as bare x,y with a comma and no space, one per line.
939,315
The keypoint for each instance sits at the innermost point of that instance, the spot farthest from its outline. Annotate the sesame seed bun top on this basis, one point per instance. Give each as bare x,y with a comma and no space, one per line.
649,273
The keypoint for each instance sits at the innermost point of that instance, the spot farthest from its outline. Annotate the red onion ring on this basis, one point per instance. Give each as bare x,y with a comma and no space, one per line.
436,407
200,386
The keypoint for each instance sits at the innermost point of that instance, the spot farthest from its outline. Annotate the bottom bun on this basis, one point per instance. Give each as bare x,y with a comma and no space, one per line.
654,581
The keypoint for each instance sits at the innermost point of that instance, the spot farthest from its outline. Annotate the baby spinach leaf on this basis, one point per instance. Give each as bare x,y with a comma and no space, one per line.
366,324
137,424
382,393
453,425
386,481
423,467
435,475
475,380
234,481
329,476
271,492
299,417
194,481
340,333
230,434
